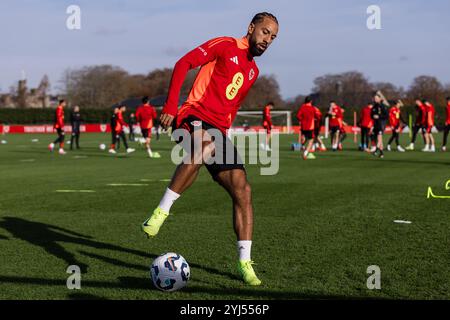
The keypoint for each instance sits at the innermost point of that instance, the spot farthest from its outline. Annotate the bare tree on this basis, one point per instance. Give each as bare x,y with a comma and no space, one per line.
350,88
427,87
266,89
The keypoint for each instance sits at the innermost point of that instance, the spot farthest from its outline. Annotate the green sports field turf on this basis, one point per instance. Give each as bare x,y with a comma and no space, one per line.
318,224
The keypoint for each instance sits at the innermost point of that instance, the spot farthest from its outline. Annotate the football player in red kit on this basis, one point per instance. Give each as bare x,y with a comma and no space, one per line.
336,115
228,71
306,116
447,125
59,127
419,124
267,124
366,125
145,114
120,134
428,126
395,121
318,143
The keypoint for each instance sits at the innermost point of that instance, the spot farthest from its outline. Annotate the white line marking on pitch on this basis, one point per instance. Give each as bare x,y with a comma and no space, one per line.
127,184
154,180
27,160
80,157
73,191
402,221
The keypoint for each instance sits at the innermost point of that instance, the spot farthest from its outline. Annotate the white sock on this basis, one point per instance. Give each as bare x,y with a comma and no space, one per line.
305,153
168,199
149,151
244,248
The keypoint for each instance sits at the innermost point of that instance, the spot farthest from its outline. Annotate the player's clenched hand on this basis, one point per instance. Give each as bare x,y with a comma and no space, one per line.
166,120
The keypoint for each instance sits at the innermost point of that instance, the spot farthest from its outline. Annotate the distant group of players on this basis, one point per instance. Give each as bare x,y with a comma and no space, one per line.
373,120
144,117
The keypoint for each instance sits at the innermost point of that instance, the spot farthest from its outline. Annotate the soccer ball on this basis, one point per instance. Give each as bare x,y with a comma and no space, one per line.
102,146
170,272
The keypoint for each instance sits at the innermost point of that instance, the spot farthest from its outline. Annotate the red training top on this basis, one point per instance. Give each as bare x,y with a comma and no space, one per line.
447,110
228,72
366,120
394,117
267,119
59,123
430,114
305,116
337,116
144,115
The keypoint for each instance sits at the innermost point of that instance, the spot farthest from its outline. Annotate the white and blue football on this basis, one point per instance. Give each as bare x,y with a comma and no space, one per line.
170,272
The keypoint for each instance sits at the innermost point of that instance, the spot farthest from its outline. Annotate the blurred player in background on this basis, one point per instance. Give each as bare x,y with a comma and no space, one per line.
446,125
59,126
228,71
429,124
342,132
132,124
379,116
419,123
145,114
306,115
113,121
120,134
366,125
75,122
318,143
395,121
267,124
335,114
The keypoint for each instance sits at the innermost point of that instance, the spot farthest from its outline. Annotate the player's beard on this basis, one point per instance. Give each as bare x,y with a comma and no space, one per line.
255,49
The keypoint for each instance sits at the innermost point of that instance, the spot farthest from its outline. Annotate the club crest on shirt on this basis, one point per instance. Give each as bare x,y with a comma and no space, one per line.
196,123
251,74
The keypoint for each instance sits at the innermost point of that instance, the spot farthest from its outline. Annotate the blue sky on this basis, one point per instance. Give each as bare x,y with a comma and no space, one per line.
315,38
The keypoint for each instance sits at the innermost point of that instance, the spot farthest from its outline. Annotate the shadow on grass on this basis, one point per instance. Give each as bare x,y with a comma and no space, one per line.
135,283
49,237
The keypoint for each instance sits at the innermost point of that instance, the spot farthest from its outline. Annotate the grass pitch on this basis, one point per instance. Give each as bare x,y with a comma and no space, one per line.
318,224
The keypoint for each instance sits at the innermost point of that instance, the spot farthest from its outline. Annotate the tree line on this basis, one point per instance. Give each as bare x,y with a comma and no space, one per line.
104,85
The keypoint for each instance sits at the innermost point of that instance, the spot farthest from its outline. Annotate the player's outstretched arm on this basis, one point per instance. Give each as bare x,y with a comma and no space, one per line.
200,56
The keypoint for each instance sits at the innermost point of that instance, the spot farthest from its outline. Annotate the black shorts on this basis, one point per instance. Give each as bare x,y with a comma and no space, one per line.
316,131
378,129
223,161
145,133
334,129
309,134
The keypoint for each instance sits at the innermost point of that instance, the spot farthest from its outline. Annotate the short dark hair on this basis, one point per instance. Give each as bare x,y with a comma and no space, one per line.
332,101
260,17
448,98
308,99
424,100
145,99
61,101
270,103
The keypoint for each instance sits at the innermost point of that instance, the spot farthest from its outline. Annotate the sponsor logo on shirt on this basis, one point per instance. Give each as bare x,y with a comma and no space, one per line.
196,123
236,84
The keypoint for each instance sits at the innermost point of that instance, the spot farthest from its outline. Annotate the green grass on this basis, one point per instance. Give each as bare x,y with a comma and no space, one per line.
318,225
